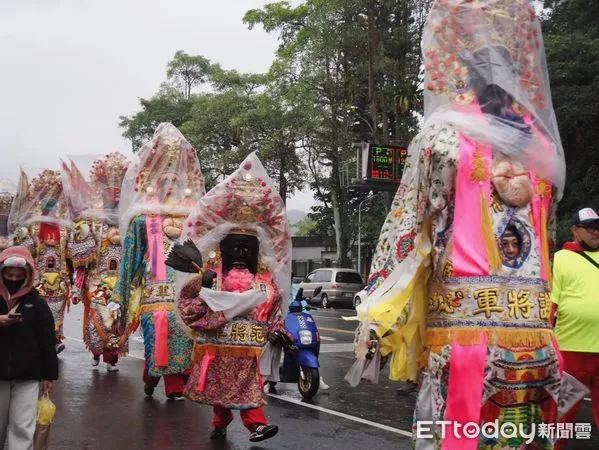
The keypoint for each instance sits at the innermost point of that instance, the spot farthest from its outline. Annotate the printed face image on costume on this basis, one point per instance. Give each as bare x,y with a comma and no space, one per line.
515,244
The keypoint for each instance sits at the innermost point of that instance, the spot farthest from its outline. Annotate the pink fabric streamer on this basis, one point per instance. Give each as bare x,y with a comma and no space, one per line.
206,361
560,358
156,247
465,391
469,251
161,338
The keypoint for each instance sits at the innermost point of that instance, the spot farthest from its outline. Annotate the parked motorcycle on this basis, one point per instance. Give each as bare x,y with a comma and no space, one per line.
301,346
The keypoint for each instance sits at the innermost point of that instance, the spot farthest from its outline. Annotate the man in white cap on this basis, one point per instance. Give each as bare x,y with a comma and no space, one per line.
576,305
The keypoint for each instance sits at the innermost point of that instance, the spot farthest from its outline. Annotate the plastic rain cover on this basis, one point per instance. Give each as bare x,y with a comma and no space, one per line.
245,203
40,198
486,74
165,178
92,185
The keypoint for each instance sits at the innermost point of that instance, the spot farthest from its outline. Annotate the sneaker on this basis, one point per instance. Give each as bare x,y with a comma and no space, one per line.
176,396
95,361
149,390
60,347
218,433
322,385
262,432
112,368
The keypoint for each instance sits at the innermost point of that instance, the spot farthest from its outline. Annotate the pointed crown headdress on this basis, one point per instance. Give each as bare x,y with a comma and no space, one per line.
168,153
246,203
108,173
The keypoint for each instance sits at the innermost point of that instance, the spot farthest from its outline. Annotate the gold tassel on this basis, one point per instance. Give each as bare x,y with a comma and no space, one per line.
488,235
435,339
225,350
545,245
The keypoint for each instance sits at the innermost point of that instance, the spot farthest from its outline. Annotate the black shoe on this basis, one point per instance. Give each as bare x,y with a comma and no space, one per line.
149,390
408,388
176,396
218,433
60,347
262,432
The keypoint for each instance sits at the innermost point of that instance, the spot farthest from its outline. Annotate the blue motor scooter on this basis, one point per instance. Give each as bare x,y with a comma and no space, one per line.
301,346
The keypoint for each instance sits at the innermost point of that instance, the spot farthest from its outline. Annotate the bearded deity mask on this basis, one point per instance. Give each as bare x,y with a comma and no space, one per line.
240,251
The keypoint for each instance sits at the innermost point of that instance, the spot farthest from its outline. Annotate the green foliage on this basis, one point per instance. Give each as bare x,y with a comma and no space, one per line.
237,114
571,33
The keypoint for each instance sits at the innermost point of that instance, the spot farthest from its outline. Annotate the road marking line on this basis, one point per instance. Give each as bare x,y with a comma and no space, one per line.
326,338
337,330
342,415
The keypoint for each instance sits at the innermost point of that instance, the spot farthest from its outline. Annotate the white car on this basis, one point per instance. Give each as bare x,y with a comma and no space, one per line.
359,297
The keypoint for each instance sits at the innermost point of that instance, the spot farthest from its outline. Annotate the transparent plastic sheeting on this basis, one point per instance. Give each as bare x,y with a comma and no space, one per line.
245,202
92,184
40,198
486,74
164,178
7,194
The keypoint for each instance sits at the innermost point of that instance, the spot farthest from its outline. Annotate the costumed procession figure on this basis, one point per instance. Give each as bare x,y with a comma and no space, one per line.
40,220
96,251
234,304
158,192
458,296
7,194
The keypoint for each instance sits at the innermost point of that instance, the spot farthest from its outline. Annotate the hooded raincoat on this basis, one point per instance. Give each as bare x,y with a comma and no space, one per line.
27,349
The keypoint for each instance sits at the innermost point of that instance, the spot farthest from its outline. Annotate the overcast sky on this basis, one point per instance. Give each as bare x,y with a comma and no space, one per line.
70,68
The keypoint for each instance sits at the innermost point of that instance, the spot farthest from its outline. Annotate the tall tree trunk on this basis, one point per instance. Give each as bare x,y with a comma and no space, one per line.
283,187
341,224
372,51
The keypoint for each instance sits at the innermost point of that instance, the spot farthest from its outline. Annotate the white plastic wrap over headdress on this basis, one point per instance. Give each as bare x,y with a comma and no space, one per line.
486,74
246,202
92,185
164,178
40,198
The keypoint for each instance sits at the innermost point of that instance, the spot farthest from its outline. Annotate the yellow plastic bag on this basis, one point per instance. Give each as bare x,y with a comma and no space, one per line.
45,410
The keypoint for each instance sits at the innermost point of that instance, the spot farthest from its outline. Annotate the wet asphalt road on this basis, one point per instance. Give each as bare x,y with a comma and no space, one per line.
98,410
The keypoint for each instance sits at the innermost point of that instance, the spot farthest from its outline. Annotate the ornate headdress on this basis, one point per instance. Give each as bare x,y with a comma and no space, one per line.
107,174
41,200
458,28
169,153
245,203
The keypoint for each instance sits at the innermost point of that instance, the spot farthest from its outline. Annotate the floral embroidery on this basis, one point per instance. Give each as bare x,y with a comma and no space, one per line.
405,245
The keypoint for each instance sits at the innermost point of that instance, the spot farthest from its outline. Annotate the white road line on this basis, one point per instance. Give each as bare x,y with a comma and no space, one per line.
286,398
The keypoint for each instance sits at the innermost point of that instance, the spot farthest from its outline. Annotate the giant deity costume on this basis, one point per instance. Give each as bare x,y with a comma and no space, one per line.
96,250
454,300
7,194
242,232
40,220
157,194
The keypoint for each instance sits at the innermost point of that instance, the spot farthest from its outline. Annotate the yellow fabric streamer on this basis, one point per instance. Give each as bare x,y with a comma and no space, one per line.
488,235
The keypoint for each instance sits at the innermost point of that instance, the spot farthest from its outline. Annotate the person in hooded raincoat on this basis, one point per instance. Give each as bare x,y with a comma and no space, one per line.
27,352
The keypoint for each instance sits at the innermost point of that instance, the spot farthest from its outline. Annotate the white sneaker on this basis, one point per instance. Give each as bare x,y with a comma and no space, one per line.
95,362
111,368
323,385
